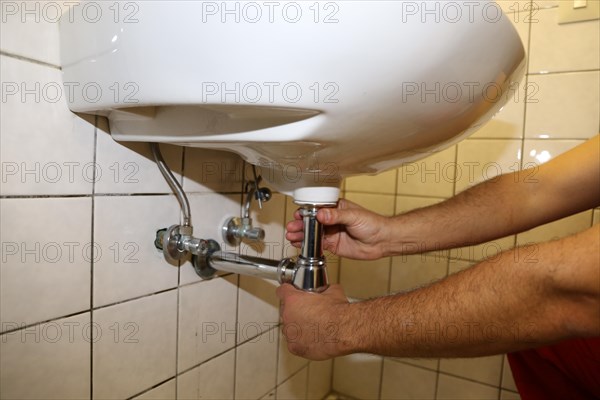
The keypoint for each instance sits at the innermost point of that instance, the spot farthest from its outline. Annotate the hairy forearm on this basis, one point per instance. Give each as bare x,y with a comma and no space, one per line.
500,305
490,210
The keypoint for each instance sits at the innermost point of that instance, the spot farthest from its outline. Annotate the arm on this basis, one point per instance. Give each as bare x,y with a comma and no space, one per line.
499,305
508,204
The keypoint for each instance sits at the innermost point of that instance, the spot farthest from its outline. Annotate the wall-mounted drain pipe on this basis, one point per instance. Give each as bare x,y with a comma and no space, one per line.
308,272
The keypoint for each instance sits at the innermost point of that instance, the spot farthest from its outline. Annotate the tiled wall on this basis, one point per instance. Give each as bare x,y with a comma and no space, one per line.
89,308
558,108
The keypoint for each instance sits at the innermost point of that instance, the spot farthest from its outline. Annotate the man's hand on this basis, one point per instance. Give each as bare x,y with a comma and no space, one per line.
315,325
350,231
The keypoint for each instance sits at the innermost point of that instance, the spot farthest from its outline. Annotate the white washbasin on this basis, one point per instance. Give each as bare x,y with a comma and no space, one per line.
315,91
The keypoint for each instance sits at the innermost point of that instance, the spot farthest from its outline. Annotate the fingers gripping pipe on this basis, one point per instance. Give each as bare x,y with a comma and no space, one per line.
308,272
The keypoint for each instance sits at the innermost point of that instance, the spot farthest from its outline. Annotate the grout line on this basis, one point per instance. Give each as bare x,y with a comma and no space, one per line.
93,226
28,59
380,389
235,340
60,196
154,387
575,71
501,376
27,326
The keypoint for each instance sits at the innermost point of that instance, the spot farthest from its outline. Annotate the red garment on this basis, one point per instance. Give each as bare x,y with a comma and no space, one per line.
566,370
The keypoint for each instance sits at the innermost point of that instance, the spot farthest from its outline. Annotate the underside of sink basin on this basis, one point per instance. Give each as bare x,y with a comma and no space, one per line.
372,86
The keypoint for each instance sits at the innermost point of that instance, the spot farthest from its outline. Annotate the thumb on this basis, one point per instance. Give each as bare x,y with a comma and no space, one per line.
337,216
285,290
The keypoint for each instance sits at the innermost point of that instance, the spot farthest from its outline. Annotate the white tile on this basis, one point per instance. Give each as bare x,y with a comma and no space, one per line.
129,167
564,107
455,388
212,171
211,380
30,29
294,388
508,381
480,160
254,378
563,47
432,176
384,183
258,307
481,369
401,381
365,279
161,392
125,229
45,270
409,272
44,147
207,312
48,361
319,379
209,213
287,363
135,348
357,375
428,363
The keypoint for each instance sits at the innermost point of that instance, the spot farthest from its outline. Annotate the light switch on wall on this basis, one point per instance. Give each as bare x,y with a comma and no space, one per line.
578,10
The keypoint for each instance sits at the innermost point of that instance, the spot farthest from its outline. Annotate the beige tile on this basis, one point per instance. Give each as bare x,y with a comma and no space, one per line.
258,307
537,152
162,392
365,279
211,380
319,379
252,379
554,230
432,176
558,47
456,265
379,203
383,183
45,149
294,388
488,250
207,312
401,381
136,349
482,369
507,378
514,6
508,395
543,4
207,225
270,396
357,375
125,229
48,361
564,106
456,388
409,272
409,203
45,269
596,218
287,363
129,167
212,171
480,160
30,29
